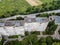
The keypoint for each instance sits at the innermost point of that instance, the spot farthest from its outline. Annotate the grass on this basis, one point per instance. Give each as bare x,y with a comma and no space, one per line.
10,5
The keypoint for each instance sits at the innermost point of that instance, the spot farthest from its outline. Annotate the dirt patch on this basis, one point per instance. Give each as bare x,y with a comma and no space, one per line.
34,2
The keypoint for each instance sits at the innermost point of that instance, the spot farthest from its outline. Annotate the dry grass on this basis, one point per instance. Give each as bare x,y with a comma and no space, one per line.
34,2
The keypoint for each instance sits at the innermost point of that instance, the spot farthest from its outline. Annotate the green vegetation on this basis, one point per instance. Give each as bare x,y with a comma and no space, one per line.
36,32
42,40
14,36
59,31
58,14
13,7
47,15
45,1
33,40
26,33
56,43
0,42
16,42
53,5
19,18
47,41
43,15
50,28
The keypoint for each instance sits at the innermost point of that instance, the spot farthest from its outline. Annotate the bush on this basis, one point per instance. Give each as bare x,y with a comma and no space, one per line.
0,43
14,36
42,40
50,28
19,18
43,15
16,42
36,32
56,43
59,31
56,40
49,40
26,33
43,43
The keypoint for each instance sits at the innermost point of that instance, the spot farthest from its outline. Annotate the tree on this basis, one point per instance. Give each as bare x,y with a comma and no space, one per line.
51,23
50,28
31,39
49,40
42,40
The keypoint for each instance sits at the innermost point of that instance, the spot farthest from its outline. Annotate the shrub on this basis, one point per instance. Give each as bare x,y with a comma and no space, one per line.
26,33
59,31
50,28
36,32
19,18
14,36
